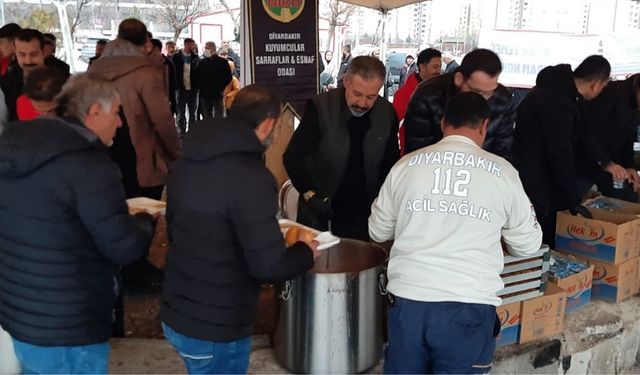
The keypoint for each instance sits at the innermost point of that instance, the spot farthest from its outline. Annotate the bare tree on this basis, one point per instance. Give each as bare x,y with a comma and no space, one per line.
338,14
181,13
235,18
77,15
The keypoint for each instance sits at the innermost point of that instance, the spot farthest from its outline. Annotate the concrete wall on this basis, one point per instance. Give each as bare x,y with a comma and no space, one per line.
600,338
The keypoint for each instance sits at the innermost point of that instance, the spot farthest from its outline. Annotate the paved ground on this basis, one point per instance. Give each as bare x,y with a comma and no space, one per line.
156,356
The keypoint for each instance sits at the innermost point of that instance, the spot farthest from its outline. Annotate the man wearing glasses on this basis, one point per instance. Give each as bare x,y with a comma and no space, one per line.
478,73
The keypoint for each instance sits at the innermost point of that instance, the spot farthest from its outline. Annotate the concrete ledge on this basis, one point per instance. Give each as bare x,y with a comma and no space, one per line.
600,338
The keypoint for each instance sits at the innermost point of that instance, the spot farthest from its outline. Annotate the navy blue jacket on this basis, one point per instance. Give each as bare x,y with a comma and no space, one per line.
64,229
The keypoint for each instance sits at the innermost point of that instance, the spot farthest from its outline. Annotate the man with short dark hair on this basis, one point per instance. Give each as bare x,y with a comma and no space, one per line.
170,46
344,63
186,63
100,45
66,229
213,77
49,49
147,142
447,207
41,88
50,58
479,72
429,65
408,69
342,150
29,44
550,128
8,33
614,118
225,239
170,74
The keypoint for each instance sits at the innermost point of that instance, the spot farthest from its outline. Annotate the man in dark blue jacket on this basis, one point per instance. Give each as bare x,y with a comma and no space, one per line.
225,239
64,230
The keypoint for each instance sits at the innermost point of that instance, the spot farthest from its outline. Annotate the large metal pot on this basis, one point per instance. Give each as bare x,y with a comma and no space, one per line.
331,317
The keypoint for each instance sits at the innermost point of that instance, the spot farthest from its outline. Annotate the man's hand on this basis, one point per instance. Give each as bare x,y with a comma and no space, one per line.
580,210
634,178
313,244
322,206
617,172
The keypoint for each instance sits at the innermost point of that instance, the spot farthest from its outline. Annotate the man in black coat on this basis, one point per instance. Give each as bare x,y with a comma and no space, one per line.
65,229
344,64
343,150
225,239
169,74
29,49
614,119
479,72
50,58
186,63
213,76
100,45
550,126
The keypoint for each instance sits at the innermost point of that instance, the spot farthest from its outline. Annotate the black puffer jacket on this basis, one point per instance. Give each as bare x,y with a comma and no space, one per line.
225,240
547,133
427,106
64,228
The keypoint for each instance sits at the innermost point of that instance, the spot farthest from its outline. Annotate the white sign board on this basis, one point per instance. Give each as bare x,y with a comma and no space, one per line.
525,53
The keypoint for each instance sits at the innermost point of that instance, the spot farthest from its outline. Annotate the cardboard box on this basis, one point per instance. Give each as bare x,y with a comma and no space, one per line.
637,288
578,288
614,283
625,207
610,237
543,316
509,315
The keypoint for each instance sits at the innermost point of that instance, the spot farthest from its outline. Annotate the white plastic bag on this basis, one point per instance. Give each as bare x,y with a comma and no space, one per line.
8,361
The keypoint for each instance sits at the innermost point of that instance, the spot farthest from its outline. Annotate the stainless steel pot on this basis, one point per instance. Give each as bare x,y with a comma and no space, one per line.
331,317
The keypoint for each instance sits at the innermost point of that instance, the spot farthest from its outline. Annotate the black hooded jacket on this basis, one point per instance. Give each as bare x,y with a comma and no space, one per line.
225,239
427,106
64,229
613,118
549,129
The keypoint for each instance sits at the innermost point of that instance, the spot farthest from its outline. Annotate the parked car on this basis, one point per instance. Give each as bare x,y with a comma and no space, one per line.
394,64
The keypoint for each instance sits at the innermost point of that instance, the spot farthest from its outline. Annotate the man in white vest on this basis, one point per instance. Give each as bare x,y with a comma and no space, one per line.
447,206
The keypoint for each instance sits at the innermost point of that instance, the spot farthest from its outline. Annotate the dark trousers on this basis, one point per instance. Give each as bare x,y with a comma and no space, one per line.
187,99
440,337
212,107
548,225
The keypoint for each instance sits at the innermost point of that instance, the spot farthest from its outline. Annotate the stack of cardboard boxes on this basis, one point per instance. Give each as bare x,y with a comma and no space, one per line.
610,243
533,319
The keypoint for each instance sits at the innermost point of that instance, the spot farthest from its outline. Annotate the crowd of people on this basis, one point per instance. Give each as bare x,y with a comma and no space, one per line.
452,172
